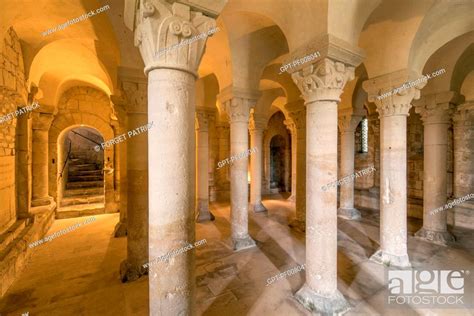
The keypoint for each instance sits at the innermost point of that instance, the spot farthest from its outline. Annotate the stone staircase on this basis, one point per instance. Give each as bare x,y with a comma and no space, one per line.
84,192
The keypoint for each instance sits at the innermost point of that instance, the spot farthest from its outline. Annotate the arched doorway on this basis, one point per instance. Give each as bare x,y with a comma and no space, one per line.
80,173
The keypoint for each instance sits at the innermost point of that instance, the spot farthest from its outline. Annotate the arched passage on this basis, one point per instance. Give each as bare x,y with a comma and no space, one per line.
279,164
81,172
60,128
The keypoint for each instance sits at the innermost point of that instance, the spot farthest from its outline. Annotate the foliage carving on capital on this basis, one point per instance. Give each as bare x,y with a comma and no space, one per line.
203,118
238,109
323,80
348,122
136,97
257,122
171,35
391,94
290,126
464,112
438,107
299,118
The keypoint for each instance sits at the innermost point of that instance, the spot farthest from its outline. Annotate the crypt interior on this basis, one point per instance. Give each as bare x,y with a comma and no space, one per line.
246,140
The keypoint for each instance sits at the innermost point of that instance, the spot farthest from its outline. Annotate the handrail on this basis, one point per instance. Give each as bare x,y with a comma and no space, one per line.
91,140
65,162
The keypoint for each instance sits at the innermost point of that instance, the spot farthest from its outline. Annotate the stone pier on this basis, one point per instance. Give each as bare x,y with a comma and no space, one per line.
257,125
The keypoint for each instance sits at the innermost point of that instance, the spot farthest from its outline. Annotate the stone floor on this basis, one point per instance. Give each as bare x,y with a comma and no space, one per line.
77,273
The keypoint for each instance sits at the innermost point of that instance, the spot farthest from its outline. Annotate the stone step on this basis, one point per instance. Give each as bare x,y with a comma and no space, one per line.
80,210
76,178
83,191
85,172
12,233
82,199
83,167
84,184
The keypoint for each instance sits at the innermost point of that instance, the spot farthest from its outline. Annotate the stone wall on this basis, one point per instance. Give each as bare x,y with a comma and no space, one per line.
415,155
12,95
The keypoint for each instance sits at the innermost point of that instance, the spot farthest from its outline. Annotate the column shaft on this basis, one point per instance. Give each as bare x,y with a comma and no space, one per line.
346,199
239,186
171,152
137,203
393,192
40,168
203,213
321,206
256,141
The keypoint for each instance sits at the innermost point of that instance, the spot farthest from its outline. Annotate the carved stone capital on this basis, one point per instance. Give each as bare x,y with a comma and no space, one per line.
437,108
290,126
464,113
348,121
299,118
41,120
393,93
135,91
323,80
257,122
166,35
238,102
223,131
203,117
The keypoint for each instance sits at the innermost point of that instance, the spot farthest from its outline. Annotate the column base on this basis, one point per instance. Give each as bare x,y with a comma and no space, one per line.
120,229
291,198
129,273
390,260
298,225
243,243
203,213
334,304
46,201
43,208
440,238
349,214
205,216
257,208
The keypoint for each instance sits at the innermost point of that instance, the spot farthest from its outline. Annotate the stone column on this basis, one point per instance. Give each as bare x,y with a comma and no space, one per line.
223,138
172,73
297,114
41,200
287,165
436,111
393,111
202,210
347,125
321,84
134,86
121,112
291,127
256,126
238,104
